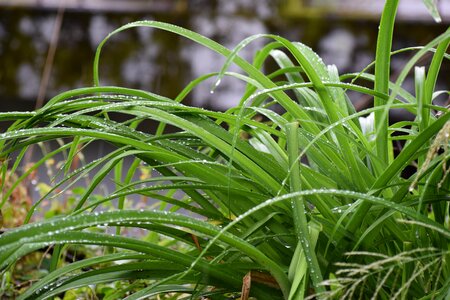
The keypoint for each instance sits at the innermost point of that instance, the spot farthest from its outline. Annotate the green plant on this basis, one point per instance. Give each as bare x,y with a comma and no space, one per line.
306,201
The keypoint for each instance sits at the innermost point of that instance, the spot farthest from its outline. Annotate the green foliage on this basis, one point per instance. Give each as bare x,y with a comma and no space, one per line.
292,186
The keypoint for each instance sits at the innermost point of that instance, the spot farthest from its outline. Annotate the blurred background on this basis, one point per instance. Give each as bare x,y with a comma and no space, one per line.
47,46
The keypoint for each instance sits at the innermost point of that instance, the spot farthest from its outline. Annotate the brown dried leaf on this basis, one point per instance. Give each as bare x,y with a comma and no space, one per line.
197,244
264,278
246,285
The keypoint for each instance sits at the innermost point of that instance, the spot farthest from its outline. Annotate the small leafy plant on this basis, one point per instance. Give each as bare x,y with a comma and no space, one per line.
305,200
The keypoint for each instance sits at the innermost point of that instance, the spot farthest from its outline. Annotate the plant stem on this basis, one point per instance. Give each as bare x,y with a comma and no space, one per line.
382,71
298,208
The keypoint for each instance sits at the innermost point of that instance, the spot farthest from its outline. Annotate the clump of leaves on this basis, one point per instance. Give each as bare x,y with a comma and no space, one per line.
305,199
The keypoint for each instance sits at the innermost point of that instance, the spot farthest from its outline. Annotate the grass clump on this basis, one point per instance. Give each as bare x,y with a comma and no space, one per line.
290,194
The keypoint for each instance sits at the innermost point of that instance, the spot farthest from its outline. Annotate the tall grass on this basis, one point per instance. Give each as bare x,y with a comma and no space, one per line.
307,199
